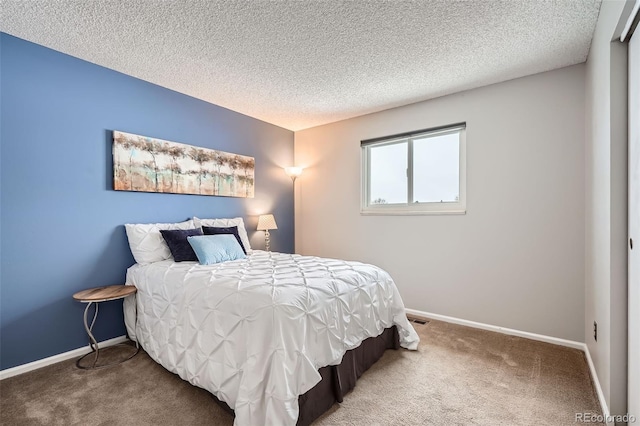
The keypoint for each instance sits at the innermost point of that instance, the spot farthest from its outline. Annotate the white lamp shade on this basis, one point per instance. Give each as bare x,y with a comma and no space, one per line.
266,222
293,172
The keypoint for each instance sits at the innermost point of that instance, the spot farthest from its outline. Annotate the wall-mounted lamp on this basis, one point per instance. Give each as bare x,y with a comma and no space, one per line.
265,223
293,172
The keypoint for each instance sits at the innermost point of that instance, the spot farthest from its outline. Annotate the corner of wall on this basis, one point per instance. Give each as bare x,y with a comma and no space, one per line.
606,201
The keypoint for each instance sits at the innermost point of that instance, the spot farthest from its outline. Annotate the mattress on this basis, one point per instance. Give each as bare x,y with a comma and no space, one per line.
255,332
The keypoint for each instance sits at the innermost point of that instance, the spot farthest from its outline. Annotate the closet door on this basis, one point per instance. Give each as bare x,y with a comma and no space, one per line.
634,226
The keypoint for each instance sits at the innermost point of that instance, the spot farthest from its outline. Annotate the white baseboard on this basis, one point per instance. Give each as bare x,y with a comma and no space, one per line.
75,353
533,336
596,383
498,329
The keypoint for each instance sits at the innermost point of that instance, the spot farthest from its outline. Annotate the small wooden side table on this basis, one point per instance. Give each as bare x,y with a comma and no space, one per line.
94,296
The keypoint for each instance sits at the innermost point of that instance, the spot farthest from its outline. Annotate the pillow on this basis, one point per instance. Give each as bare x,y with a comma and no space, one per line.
180,248
212,230
146,242
212,249
237,221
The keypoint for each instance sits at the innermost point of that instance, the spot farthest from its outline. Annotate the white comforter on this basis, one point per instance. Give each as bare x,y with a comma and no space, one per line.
254,332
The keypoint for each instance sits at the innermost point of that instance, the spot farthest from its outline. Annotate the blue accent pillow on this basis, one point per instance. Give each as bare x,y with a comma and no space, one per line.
214,230
180,248
212,249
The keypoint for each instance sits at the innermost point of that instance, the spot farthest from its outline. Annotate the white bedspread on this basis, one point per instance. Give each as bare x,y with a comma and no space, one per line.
254,332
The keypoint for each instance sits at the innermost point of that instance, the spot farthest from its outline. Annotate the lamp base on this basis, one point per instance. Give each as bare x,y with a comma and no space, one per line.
267,240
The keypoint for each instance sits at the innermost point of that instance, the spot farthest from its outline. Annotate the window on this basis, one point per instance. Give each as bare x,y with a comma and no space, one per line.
415,173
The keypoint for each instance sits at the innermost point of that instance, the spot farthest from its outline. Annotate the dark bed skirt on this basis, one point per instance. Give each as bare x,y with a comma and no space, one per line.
338,380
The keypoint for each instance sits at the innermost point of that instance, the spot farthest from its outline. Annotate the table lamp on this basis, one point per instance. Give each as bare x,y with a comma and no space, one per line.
265,223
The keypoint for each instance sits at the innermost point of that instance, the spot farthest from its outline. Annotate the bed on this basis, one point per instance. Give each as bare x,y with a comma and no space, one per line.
268,333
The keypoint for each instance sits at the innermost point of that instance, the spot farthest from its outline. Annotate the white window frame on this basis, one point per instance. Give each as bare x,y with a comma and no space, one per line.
410,208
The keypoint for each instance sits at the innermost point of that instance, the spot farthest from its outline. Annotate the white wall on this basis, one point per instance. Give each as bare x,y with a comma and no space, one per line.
606,205
516,259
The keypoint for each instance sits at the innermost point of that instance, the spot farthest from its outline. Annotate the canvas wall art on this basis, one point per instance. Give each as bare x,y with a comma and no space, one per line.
146,164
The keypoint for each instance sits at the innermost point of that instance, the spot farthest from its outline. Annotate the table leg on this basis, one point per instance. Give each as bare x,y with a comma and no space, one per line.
93,343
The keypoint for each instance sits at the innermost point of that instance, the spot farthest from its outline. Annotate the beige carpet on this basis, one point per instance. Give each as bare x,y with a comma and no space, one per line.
459,376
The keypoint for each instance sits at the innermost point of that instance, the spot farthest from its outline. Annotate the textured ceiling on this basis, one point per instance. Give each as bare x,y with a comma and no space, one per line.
299,64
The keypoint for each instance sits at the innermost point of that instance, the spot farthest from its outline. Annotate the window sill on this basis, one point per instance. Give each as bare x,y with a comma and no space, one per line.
387,212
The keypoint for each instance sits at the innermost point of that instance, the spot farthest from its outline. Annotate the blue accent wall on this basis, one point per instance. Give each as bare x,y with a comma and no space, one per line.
61,224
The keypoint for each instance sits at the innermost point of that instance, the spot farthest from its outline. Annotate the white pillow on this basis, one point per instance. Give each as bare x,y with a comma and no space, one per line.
225,223
146,242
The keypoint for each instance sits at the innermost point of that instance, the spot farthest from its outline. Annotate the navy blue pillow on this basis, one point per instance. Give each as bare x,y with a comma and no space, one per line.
178,244
214,230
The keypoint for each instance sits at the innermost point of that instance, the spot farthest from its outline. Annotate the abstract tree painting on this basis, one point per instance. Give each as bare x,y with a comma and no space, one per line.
145,164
